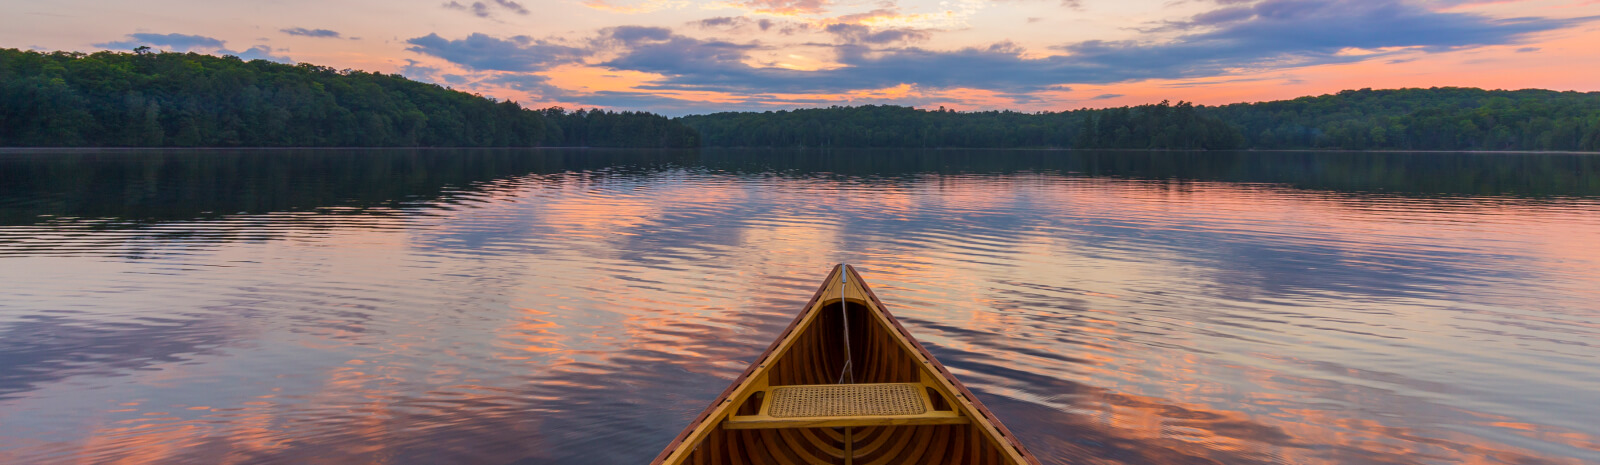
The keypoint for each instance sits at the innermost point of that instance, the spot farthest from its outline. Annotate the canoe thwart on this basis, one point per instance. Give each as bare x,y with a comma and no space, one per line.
835,405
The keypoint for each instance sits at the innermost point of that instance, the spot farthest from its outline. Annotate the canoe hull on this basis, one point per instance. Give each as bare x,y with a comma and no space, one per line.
949,427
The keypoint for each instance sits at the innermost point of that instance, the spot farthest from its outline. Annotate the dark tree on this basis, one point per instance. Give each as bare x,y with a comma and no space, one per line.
143,99
1404,119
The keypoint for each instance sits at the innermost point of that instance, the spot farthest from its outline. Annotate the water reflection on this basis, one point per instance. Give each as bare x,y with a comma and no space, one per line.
579,306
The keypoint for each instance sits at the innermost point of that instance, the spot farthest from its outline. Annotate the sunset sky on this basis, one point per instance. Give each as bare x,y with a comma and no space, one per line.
695,56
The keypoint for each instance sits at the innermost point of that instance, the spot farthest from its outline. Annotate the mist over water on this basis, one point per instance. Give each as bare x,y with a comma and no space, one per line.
580,306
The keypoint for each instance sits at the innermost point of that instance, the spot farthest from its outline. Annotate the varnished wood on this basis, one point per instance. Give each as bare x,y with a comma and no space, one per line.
953,429
762,417
935,418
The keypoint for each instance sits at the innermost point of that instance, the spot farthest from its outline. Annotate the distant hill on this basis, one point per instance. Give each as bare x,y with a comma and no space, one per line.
145,99
1442,118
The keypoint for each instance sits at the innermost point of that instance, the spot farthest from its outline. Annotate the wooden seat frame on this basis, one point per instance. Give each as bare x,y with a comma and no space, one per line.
930,415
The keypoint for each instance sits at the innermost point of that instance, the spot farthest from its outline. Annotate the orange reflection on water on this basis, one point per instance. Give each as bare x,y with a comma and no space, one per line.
1105,320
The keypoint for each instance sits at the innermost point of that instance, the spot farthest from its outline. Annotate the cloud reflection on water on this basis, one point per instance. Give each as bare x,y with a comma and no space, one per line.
548,308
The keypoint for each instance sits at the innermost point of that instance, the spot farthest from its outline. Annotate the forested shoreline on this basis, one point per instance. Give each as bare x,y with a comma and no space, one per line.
1444,118
146,99
1158,126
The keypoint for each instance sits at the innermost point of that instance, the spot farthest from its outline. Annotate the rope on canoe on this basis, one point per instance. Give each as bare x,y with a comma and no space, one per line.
848,370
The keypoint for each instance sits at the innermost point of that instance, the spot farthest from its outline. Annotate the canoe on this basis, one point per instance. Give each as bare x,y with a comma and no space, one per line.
845,384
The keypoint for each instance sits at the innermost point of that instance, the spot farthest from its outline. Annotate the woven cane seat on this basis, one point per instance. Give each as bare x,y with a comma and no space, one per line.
846,400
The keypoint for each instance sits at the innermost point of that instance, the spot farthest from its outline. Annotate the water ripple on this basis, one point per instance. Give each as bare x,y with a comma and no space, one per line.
508,306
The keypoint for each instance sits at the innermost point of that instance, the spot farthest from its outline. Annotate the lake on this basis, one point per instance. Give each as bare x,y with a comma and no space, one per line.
580,306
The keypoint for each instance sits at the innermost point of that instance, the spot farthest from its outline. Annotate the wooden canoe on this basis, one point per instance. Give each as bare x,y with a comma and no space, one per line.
798,404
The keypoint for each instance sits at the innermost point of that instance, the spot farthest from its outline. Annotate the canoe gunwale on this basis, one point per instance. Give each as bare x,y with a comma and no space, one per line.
988,419
985,419
677,442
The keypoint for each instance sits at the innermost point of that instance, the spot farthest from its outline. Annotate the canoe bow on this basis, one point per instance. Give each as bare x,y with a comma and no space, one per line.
788,406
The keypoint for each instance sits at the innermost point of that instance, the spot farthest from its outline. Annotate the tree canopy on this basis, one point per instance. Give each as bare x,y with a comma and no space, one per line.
144,99
1440,118
1159,126
1404,119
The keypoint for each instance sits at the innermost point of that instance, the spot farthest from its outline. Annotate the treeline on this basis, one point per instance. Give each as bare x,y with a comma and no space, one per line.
1441,118
1159,126
1403,119
145,99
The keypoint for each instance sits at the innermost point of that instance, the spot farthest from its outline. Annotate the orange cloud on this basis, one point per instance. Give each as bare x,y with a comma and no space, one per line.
1563,62
787,6
646,6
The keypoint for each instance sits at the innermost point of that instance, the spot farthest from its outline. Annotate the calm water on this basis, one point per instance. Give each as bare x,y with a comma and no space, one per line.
578,307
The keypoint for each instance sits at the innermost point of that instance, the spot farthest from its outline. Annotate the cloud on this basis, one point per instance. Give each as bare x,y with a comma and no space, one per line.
954,14
636,34
687,61
876,15
1290,33
856,33
482,52
174,42
488,81
1272,34
1105,96
477,8
721,21
645,6
786,6
1321,25
189,43
529,83
733,22
1280,77
416,71
259,52
624,99
514,7
695,64
485,10
321,33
